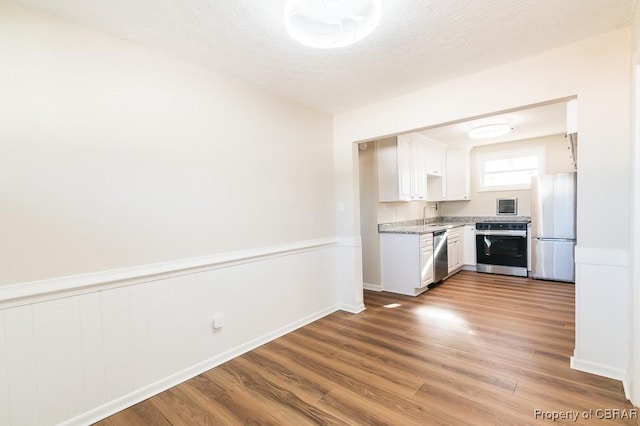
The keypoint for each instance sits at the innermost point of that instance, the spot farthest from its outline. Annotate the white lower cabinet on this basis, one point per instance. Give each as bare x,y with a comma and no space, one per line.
455,249
406,262
426,260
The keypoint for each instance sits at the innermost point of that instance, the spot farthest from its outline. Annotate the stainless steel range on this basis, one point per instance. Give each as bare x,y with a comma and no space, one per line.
501,248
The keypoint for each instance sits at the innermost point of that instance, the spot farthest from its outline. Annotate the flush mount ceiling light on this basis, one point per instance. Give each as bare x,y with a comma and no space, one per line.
329,24
490,130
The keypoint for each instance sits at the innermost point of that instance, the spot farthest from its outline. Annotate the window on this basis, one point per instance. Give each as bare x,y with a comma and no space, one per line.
507,170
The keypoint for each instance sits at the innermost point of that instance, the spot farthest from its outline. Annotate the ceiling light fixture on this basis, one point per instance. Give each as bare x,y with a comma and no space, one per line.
329,24
490,130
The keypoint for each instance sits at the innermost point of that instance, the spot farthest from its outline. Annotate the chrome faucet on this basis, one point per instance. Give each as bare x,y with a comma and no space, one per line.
424,212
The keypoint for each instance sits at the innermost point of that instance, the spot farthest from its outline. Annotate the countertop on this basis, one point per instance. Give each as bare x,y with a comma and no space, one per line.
416,226
420,229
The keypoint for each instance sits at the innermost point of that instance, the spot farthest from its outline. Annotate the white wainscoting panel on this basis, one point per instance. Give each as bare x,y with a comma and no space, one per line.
21,368
139,332
92,350
58,359
74,358
116,334
603,309
4,379
160,311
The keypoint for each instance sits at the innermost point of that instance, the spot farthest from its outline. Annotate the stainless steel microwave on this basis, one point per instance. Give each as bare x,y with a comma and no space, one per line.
507,206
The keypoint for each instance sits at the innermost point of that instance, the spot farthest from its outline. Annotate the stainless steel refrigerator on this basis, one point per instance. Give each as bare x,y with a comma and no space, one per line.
553,227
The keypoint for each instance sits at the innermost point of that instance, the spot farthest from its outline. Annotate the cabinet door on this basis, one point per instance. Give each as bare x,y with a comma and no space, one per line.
455,249
450,256
436,158
401,169
458,175
426,259
406,175
426,267
419,169
454,254
459,251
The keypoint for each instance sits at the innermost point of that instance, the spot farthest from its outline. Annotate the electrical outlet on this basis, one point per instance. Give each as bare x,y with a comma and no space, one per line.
218,321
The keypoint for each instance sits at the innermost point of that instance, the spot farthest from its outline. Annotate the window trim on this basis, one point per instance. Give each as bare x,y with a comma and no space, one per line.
540,151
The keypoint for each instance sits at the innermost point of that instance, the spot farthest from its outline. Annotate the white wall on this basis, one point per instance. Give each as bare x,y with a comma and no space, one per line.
403,211
139,196
596,70
114,155
369,217
484,203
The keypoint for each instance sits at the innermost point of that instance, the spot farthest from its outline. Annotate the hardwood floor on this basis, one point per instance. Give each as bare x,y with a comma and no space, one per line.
478,349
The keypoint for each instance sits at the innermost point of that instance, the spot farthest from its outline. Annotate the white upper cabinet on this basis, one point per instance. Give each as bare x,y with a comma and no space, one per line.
413,167
458,176
436,158
401,169
419,175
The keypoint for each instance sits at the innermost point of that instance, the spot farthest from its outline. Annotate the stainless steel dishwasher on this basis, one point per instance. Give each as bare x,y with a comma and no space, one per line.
440,259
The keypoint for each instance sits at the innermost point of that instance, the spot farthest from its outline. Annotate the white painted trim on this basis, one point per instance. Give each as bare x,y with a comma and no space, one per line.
626,385
372,287
38,291
603,257
349,241
599,369
165,383
354,309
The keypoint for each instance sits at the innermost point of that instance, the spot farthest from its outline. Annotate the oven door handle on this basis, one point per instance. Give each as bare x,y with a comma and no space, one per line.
502,232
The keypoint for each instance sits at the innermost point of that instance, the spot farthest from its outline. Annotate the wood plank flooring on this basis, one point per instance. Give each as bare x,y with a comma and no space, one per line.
477,349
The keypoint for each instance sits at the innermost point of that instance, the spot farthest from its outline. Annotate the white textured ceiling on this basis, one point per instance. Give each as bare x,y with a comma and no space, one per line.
526,123
417,43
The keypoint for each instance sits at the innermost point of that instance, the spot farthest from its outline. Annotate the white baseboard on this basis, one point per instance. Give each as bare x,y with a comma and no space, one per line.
148,391
601,370
372,287
626,385
353,309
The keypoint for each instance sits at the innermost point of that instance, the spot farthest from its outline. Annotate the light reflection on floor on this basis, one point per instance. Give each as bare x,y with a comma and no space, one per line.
443,316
